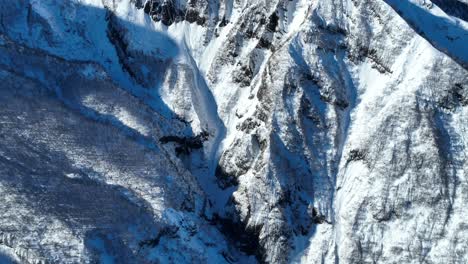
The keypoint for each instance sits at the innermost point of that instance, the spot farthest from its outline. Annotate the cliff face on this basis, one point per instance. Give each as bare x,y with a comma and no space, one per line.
190,131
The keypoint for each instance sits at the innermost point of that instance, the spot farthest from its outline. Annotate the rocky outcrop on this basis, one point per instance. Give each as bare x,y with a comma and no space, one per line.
186,144
173,11
235,131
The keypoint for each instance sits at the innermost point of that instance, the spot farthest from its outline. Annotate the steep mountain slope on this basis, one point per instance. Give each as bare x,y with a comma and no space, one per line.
175,131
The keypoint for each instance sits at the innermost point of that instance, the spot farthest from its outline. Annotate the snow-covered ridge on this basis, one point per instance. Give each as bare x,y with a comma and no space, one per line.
206,131
446,33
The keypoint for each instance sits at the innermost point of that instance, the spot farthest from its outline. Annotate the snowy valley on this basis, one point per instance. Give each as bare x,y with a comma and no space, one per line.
233,131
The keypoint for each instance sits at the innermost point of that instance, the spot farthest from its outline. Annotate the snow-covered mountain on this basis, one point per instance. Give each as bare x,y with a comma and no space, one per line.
233,131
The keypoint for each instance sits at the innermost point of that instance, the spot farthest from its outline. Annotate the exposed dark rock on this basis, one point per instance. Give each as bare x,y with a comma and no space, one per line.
148,6
186,144
116,37
248,125
243,76
163,11
261,114
273,22
129,58
343,104
169,231
264,43
318,218
355,155
372,55
168,13
461,93
138,3
333,29
193,16
225,180
246,239
224,22
181,119
331,99
385,215
456,96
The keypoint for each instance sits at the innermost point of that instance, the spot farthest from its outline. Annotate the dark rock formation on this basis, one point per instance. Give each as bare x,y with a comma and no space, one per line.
185,145
168,12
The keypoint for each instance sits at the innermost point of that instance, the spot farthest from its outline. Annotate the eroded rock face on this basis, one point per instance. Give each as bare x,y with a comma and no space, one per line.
234,131
173,11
